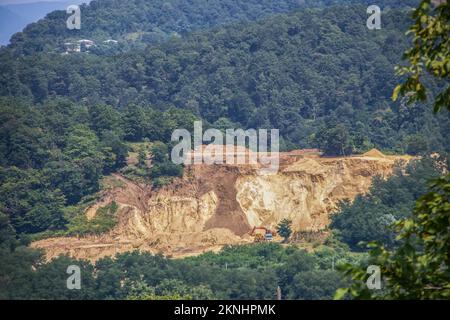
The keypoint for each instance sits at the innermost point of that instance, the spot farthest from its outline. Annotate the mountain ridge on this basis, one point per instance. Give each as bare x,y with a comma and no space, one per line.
22,14
298,72
161,18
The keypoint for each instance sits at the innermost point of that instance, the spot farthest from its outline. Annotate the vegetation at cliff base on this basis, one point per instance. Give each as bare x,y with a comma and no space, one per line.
242,272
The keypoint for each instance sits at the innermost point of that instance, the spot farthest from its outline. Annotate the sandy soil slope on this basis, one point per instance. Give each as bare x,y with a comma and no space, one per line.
216,205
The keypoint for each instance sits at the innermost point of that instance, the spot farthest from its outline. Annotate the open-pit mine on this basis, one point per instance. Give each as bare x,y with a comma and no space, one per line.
216,205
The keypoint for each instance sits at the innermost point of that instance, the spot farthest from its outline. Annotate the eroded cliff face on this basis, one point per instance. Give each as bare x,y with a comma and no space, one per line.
216,205
307,191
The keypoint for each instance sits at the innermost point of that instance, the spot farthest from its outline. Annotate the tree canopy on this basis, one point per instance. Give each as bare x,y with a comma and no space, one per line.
315,74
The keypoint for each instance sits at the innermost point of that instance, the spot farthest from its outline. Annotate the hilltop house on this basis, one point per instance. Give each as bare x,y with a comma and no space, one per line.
79,46
72,47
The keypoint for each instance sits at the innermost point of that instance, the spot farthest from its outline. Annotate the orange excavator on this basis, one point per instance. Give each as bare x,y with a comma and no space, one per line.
261,234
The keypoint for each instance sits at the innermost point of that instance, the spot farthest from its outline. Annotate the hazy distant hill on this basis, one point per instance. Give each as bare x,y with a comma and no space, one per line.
15,17
9,24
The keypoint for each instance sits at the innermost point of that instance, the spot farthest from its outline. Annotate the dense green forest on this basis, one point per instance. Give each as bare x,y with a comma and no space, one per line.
54,155
309,68
273,73
370,217
137,22
244,272
304,73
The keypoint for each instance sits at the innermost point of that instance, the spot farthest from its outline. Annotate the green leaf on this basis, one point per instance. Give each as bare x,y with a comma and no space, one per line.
396,92
340,293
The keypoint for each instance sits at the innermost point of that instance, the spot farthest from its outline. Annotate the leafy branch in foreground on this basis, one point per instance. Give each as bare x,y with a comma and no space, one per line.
430,52
419,267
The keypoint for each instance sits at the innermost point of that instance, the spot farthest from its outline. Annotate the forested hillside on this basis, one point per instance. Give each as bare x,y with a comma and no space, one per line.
55,154
312,74
311,69
155,21
318,75
247,272
369,217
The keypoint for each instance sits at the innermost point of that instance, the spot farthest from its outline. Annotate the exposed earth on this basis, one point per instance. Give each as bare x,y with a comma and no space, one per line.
216,205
